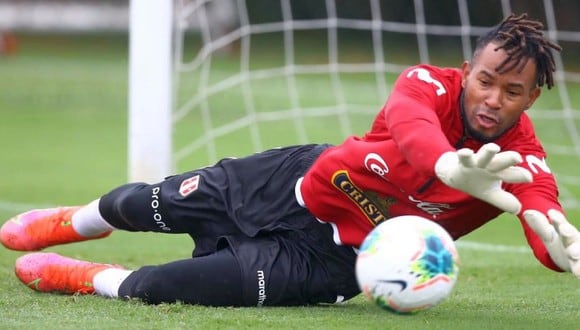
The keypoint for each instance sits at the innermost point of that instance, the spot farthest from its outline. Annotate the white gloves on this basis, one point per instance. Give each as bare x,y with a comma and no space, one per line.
481,174
561,238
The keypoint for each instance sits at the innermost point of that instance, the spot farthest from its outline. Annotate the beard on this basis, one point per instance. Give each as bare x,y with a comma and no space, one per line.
478,136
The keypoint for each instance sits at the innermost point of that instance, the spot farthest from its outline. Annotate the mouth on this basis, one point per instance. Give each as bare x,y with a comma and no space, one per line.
487,121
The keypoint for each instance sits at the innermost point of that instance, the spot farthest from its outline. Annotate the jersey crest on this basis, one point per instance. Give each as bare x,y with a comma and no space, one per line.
189,185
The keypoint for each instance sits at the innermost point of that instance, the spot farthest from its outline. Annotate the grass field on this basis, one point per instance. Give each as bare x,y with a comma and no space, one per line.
63,106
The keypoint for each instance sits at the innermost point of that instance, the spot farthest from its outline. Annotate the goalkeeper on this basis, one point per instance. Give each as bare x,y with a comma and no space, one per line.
281,227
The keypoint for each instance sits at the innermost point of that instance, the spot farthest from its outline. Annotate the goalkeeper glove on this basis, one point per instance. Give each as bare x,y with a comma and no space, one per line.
561,238
481,174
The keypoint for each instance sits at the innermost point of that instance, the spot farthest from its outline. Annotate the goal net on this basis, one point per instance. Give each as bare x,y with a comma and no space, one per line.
248,75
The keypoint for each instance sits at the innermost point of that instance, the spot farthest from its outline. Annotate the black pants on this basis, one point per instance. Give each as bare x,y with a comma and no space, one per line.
254,245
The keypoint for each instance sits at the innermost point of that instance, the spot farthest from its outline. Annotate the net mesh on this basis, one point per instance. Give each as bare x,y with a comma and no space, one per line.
246,82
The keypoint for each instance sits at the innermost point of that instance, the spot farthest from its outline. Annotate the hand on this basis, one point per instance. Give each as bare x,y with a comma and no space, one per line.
561,238
482,173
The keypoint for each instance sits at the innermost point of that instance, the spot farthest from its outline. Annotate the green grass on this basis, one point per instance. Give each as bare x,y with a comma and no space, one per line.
63,119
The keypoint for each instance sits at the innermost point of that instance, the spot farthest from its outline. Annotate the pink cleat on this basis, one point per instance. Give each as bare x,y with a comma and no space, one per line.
37,229
50,272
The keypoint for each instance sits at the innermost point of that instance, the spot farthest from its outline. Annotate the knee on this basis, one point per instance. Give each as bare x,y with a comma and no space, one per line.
153,287
124,206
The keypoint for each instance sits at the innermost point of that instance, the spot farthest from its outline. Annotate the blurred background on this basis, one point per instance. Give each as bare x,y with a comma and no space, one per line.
73,16
247,75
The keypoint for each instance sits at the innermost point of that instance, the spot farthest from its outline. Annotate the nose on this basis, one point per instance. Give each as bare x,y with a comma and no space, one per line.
493,99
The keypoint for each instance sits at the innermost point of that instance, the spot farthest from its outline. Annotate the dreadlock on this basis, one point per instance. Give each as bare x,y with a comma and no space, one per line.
522,39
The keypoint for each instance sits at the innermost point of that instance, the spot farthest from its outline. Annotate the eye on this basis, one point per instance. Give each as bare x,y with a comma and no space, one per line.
483,82
513,93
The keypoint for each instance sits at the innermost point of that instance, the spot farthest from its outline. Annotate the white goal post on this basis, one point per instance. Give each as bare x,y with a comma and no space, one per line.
202,89
150,89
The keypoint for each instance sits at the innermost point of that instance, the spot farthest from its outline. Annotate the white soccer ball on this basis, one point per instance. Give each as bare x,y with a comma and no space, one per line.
407,264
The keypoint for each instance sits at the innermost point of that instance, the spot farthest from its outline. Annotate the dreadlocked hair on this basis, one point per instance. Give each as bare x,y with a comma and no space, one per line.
522,39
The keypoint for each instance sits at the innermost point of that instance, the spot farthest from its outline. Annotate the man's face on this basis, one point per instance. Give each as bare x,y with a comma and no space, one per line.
493,102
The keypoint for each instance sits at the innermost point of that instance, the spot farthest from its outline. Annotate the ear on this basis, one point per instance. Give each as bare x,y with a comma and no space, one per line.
466,70
534,94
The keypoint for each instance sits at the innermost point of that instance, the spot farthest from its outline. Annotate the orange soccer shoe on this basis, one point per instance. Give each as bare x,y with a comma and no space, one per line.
37,229
50,272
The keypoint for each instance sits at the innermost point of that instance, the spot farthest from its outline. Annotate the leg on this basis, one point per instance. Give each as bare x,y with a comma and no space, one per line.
236,196
191,281
132,207
285,269
212,280
292,268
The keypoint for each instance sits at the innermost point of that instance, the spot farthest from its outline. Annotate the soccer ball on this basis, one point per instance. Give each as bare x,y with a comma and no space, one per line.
407,264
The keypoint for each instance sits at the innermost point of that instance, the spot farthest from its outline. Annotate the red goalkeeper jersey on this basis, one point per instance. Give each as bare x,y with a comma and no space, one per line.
390,170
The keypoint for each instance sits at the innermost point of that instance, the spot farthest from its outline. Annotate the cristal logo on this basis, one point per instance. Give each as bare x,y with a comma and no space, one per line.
376,164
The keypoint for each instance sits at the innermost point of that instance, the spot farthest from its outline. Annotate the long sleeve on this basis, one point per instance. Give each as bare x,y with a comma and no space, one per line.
541,194
422,108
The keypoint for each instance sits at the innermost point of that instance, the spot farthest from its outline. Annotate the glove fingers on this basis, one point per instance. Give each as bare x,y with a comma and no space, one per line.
485,154
573,251
540,225
564,248
515,174
504,160
503,200
575,269
567,231
466,157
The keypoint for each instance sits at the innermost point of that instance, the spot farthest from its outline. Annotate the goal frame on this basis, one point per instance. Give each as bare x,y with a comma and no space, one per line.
150,90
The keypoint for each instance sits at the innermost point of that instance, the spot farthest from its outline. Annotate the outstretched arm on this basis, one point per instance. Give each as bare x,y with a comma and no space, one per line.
553,239
560,237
